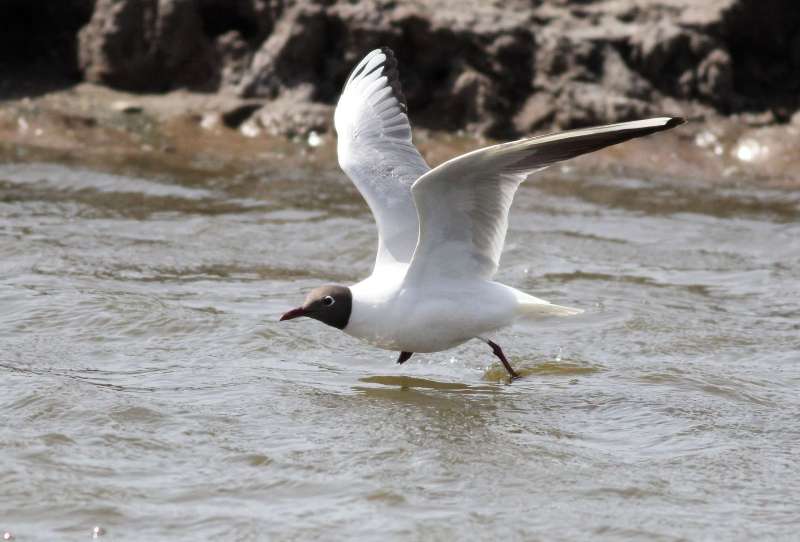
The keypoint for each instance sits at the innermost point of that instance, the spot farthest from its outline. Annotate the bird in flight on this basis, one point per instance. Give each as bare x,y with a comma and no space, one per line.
440,231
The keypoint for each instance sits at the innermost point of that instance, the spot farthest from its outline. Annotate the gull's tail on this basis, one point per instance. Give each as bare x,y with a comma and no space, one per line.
533,307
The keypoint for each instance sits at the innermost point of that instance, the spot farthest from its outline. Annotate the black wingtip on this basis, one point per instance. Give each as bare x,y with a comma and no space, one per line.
389,69
393,77
675,121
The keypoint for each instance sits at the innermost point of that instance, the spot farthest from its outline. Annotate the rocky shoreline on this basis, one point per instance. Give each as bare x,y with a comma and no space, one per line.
258,70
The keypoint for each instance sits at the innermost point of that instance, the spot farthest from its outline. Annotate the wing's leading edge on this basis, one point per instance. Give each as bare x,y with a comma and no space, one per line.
463,204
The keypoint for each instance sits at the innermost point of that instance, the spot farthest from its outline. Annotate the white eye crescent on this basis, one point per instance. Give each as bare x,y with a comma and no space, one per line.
328,301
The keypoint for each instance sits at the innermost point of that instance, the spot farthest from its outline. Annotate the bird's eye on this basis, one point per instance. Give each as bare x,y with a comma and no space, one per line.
328,301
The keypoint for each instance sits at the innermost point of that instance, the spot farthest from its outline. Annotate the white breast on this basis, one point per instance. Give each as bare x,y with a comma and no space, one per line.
427,318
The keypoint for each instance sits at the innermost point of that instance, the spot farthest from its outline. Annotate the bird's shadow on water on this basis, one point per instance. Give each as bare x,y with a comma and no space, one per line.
494,375
445,406
439,406
404,382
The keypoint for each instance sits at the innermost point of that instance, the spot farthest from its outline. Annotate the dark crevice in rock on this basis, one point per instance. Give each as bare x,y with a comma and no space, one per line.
38,44
236,116
220,17
763,38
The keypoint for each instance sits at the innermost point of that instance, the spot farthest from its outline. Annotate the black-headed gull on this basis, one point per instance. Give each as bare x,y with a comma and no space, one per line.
440,230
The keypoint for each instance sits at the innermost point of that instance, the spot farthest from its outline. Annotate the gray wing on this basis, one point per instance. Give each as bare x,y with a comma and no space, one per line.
463,204
376,152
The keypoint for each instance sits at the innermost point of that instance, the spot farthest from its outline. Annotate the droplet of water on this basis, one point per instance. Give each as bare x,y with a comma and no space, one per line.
98,531
8,536
558,355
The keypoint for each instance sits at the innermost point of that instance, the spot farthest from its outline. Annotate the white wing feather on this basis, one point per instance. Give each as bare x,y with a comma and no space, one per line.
463,204
376,152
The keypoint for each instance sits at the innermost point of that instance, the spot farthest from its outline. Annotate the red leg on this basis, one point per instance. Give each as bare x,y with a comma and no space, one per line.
499,353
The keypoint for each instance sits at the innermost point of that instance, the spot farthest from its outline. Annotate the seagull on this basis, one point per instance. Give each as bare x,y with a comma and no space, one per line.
440,230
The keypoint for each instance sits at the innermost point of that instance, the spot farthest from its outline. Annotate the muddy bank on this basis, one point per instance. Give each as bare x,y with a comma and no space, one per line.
174,82
495,69
189,132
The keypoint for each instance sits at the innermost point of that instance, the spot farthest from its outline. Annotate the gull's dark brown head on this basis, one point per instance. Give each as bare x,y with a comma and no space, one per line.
329,304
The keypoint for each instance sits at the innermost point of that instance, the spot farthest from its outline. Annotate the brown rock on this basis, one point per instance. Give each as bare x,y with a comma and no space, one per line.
586,104
492,68
668,55
145,45
114,48
537,113
234,57
291,54
471,101
715,77
292,114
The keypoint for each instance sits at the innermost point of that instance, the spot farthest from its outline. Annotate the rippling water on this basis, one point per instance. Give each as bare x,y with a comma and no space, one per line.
148,388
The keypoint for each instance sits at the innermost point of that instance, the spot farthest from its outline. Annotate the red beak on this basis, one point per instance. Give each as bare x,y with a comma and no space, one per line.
294,313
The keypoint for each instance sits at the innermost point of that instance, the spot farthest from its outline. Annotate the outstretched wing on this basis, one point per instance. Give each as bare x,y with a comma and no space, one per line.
463,204
376,152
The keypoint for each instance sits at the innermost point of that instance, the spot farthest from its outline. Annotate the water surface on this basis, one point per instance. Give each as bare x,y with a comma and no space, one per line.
148,388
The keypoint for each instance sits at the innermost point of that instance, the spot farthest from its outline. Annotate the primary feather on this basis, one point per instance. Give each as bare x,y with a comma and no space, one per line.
376,152
463,204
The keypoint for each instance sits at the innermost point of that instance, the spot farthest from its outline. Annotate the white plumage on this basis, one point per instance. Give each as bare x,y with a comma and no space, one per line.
375,150
441,231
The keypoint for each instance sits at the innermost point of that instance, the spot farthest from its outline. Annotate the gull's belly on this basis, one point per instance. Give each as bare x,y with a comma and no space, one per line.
431,321
434,330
